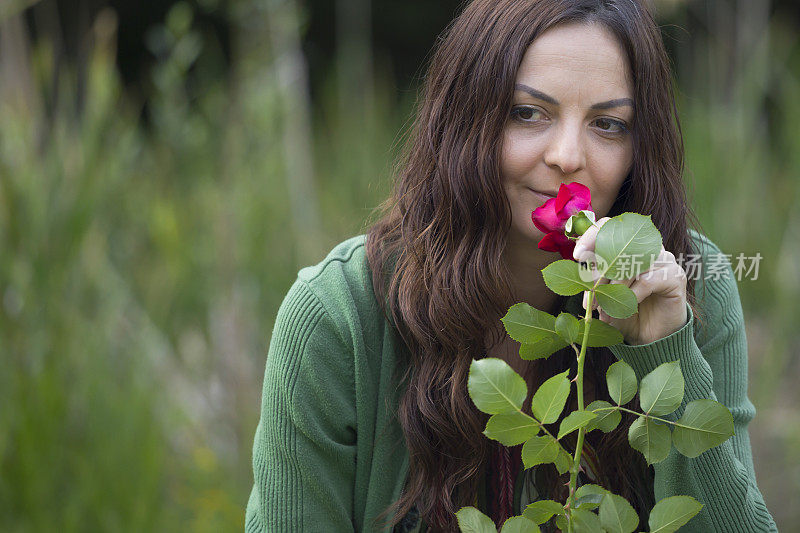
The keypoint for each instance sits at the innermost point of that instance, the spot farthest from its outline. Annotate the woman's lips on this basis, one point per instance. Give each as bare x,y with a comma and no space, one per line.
544,196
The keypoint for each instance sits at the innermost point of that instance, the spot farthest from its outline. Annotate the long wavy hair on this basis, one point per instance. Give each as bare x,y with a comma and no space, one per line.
436,250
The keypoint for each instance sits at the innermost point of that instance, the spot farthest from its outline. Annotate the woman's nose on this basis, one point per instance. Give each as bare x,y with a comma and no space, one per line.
565,149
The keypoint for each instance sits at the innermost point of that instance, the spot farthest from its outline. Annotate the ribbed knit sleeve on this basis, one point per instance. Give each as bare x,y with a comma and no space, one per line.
304,451
714,365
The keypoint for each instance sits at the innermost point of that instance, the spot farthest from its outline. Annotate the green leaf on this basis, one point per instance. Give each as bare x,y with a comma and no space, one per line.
671,513
541,511
495,387
617,515
471,520
562,278
511,429
709,424
542,348
616,299
589,496
585,521
549,400
539,450
600,334
662,389
563,460
534,329
561,522
573,421
526,324
606,420
652,439
621,381
567,327
519,524
624,240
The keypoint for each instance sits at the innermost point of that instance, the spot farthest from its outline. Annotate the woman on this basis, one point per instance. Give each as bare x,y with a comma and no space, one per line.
366,422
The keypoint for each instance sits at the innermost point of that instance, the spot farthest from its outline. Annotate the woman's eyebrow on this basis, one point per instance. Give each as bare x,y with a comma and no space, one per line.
536,94
618,102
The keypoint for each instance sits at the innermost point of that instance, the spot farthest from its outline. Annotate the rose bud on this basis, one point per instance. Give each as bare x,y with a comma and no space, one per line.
578,223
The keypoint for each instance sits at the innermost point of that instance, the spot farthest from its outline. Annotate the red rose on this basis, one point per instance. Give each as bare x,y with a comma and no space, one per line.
552,216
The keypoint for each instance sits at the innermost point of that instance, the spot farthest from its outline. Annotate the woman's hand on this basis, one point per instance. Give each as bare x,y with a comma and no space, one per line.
660,291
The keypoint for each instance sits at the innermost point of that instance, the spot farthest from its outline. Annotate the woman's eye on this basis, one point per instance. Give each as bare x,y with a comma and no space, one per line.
526,113
608,125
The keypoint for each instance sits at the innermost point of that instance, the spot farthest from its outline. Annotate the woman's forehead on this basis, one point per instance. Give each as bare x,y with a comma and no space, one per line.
577,58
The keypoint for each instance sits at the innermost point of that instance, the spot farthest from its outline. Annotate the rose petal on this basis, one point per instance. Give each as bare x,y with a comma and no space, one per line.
581,191
557,242
545,217
564,195
548,242
566,249
579,199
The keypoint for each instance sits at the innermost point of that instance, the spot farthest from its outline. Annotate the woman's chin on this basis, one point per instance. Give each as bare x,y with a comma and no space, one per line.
527,237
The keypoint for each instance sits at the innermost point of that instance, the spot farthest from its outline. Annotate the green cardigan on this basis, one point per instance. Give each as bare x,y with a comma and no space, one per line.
329,455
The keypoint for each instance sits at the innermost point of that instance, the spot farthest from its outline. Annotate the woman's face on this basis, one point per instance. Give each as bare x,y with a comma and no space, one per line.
570,120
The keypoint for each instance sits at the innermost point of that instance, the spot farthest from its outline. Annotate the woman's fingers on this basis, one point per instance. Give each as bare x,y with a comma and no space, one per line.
584,253
586,241
586,299
646,283
660,292
664,277
658,278
591,274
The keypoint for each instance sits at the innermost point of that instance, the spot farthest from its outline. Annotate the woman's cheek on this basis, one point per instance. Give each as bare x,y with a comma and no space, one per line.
515,157
606,189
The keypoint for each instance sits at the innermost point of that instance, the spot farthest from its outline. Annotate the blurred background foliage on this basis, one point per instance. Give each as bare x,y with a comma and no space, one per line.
167,167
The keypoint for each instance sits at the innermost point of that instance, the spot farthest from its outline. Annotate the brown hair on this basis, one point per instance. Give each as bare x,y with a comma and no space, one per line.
436,251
